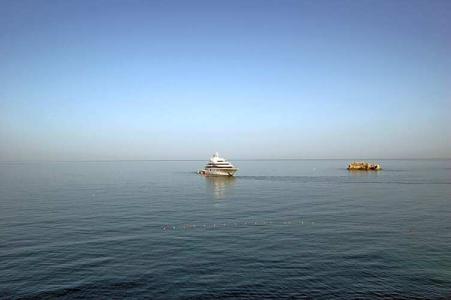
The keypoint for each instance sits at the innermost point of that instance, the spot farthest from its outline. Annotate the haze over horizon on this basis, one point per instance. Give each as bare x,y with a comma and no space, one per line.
137,80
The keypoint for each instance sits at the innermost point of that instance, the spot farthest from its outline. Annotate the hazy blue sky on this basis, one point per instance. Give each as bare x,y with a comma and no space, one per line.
86,80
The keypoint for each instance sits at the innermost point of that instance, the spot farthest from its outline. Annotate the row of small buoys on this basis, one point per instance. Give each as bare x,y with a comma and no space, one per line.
363,166
234,224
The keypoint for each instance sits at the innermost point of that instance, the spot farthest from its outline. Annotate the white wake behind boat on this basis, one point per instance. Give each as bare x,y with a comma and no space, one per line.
218,166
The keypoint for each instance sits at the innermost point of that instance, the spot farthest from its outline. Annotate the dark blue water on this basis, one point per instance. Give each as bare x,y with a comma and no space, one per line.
280,229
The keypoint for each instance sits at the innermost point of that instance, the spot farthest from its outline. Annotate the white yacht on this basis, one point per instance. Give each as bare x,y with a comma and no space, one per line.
218,166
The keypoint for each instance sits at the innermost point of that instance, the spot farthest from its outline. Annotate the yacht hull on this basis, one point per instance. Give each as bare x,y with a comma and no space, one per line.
218,172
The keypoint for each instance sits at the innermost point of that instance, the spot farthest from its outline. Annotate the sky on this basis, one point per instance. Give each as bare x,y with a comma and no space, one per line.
132,80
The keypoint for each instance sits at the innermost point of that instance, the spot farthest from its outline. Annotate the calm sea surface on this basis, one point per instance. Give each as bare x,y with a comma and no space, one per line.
280,229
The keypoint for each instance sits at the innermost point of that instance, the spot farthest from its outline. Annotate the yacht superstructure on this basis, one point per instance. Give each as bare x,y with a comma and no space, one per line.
218,166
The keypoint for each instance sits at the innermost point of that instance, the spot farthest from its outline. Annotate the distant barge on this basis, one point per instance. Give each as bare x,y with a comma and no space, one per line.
363,166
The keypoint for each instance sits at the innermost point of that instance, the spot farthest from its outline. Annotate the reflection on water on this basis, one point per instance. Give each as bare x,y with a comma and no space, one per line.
363,173
219,185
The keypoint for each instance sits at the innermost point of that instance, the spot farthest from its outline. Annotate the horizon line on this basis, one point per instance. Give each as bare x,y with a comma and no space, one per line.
234,159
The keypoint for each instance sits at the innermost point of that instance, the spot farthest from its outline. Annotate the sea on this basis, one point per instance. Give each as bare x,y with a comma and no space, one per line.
280,229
